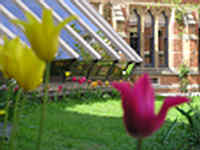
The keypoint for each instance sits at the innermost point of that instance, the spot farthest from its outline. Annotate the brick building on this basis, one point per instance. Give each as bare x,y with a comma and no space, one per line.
163,40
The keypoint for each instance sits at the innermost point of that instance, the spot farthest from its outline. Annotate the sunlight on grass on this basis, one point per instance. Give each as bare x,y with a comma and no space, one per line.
110,108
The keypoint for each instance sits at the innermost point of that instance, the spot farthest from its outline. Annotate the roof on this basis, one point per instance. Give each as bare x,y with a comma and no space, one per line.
88,22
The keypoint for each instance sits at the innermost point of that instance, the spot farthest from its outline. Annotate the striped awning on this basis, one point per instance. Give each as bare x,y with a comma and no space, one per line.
89,22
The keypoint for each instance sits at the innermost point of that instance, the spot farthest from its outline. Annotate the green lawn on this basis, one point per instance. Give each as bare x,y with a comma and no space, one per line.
95,125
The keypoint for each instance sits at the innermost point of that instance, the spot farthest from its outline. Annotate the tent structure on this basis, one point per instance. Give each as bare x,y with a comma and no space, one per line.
72,38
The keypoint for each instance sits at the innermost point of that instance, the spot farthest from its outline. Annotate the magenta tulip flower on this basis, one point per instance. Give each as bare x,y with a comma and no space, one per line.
89,81
16,88
139,115
74,79
83,79
60,87
80,81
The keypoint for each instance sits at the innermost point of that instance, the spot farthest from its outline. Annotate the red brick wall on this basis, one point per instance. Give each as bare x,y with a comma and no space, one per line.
176,53
168,83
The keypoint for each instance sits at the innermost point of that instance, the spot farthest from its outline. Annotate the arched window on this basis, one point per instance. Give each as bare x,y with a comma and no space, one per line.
134,30
107,12
95,5
199,36
199,44
149,40
163,40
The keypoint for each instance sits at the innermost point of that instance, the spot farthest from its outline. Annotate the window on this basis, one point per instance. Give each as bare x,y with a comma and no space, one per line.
134,41
149,40
163,40
96,5
107,12
199,45
134,30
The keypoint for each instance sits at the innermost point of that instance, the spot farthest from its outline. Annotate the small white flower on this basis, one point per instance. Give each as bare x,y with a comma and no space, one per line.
124,72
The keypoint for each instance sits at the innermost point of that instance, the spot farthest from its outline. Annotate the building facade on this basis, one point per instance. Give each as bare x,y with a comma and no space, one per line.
165,36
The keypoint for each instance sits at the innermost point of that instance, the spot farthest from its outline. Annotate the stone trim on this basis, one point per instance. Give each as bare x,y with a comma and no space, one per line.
180,94
175,86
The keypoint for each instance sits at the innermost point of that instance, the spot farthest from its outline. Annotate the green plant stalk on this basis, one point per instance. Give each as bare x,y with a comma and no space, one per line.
64,93
172,126
56,96
139,144
43,108
12,144
79,90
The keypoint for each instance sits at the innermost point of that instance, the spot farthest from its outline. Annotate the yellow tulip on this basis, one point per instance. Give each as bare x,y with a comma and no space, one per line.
1,67
107,83
8,55
67,73
2,112
43,36
21,63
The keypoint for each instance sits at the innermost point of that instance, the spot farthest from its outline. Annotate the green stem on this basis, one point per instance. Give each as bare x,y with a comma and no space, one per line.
12,144
139,144
43,108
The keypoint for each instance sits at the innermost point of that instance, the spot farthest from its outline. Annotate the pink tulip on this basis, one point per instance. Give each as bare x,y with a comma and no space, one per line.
80,81
60,87
83,79
100,83
74,79
89,81
16,88
138,105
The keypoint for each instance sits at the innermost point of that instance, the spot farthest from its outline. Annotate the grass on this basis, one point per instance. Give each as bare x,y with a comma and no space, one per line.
94,125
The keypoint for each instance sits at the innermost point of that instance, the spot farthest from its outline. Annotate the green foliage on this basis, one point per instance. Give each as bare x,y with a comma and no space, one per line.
183,73
192,114
93,93
84,54
7,99
179,16
182,9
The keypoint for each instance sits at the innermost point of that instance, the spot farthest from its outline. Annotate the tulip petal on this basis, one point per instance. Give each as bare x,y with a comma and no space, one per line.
129,102
20,23
144,92
30,63
21,63
168,103
43,36
64,22
47,19
122,87
30,18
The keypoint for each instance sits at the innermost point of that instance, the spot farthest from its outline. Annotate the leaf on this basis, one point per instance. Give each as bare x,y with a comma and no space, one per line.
129,69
